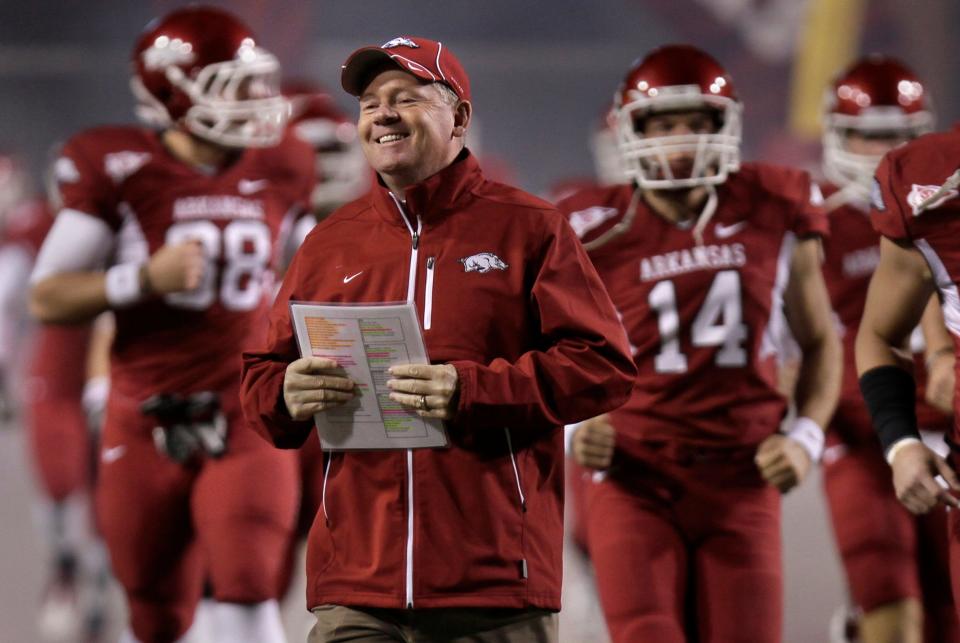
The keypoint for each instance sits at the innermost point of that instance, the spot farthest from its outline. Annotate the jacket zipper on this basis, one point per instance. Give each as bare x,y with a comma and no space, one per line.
409,579
428,297
328,460
523,500
411,292
516,471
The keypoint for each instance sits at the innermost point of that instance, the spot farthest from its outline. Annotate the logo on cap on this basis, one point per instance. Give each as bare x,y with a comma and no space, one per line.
399,42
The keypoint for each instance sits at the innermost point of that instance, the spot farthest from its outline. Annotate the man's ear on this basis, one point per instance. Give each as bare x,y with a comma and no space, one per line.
461,118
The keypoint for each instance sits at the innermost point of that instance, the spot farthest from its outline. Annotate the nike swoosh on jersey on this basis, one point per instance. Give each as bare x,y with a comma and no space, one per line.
245,186
347,280
724,231
112,454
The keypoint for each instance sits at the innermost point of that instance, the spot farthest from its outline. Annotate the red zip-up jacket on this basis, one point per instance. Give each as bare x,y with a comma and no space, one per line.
506,294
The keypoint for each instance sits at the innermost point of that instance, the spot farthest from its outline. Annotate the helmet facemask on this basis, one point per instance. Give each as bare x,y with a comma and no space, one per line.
234,103
851,171
647,159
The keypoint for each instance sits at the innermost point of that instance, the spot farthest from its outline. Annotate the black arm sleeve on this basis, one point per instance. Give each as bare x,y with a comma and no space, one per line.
890,394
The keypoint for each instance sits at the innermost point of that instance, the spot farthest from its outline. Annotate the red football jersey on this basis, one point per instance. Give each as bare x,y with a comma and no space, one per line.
908,177
187,341
705,321
851,255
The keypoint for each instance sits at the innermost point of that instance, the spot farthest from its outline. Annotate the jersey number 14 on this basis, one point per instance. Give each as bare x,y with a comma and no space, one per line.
718,323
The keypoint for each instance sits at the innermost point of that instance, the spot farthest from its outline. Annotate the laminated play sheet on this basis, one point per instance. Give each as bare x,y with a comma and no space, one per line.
366,340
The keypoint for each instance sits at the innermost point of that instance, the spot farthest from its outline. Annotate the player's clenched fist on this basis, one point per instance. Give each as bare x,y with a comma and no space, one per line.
782,462
176,267
314,384
593,443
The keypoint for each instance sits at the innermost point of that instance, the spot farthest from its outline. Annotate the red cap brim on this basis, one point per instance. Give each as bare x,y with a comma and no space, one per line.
354,74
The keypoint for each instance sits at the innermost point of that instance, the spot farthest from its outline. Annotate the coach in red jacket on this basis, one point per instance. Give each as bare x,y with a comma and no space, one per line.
523,339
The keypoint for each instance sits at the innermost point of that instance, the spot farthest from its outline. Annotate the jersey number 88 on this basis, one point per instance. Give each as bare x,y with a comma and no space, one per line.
245,248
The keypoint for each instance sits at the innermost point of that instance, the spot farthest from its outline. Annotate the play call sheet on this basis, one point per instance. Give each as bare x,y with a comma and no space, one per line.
366,340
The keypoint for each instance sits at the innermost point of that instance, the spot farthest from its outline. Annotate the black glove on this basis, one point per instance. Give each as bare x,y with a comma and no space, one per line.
187,426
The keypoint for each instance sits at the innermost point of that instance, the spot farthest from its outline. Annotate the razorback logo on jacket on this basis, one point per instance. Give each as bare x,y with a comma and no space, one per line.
483,262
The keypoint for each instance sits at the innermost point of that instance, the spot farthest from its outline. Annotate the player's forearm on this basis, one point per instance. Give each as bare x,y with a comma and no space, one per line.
69,297
936,337
899,291
873,350
818,382
98,352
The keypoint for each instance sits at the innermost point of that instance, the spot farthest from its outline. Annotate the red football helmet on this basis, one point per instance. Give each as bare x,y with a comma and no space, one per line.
670,79
606,155
342,171
878,97
201,67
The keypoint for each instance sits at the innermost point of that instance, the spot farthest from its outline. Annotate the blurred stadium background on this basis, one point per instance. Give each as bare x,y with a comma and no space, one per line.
542,75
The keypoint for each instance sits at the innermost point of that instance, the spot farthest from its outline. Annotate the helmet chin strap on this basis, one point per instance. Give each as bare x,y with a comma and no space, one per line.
709,208
850,193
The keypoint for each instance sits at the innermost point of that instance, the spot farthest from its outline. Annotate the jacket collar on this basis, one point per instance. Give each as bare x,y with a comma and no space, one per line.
431,198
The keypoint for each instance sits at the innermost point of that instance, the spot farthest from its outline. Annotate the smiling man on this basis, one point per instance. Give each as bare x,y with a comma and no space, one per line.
461,543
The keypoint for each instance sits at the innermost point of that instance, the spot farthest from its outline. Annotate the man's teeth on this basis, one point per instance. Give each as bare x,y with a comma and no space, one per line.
390,138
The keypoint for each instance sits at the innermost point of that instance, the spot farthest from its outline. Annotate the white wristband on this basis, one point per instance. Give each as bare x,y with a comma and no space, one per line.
897,446
568,431
123,285
95,392
809,435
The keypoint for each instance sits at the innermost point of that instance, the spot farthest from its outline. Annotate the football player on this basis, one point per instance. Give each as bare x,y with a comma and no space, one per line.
914,207
176,230
705,259
896,565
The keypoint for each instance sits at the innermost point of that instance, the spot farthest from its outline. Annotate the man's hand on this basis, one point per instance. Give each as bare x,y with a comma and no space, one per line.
176,268
915,467
782,462
430,389
940,382
593,443
314,384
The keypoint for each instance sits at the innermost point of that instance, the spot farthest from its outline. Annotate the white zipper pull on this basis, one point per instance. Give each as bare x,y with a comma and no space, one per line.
428,295
409,574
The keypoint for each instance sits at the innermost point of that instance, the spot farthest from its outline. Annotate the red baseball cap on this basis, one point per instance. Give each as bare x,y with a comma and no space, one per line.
426,59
